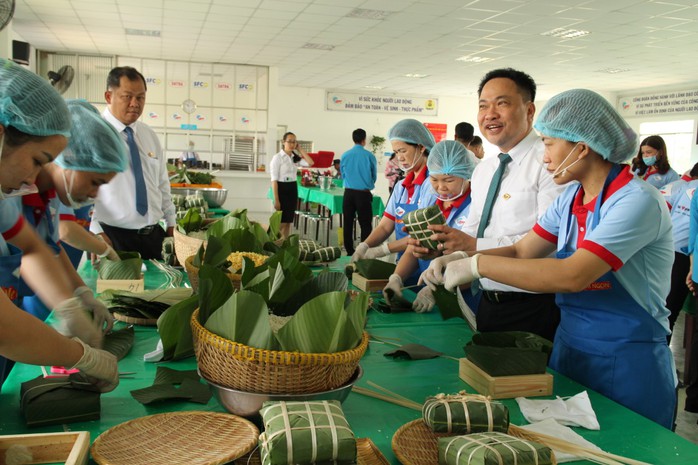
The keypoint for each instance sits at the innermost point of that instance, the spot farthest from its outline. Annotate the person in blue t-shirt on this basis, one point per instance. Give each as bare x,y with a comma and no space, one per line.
359,170
652,162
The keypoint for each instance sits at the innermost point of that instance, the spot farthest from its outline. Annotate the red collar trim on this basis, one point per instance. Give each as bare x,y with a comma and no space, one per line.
455,205
623,178
687,178
38,200
413,179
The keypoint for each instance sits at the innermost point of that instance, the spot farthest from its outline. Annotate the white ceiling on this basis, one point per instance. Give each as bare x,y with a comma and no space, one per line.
655,41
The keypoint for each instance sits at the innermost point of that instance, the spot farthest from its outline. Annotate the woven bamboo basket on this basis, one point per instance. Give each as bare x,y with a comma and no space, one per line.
185,246
246,368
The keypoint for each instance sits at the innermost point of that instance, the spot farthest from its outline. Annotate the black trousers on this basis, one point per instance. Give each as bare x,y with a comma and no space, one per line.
359,203
146,241
288,198
679,290
519,311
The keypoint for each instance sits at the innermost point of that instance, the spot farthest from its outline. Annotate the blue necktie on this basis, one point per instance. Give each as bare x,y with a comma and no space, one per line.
141,193
496,182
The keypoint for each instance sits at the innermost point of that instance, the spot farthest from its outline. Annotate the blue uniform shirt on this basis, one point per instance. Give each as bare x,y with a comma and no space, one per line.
359,168
678,195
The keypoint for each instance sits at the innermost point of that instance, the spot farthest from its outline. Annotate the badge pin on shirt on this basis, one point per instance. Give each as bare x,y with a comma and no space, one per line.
506,196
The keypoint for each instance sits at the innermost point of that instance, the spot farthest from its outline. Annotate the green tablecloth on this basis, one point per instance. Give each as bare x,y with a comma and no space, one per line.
622,431
331,199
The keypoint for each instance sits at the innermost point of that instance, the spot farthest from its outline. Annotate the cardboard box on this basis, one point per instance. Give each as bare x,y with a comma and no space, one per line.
505,387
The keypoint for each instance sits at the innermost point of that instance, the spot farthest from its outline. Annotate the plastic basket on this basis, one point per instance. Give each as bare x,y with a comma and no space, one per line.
246,368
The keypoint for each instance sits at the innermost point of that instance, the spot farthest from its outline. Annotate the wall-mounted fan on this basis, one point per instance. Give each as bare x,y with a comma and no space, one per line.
7,10
61,79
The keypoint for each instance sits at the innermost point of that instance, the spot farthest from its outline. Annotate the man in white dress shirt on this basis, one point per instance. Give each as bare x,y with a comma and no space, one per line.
505,118
129,209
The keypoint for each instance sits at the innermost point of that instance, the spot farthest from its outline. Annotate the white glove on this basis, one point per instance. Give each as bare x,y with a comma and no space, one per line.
100,313
110,253
394,284
461,272
359,252
378,252
433,276
73,320
424,301
98,364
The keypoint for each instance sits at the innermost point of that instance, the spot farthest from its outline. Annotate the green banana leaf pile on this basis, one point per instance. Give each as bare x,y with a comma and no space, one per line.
326,318
509,353
129,267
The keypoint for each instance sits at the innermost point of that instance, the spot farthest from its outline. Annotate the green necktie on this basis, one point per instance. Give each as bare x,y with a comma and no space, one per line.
504,159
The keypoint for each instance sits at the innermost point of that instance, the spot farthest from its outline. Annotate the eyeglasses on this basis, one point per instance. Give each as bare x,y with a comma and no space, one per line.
289,141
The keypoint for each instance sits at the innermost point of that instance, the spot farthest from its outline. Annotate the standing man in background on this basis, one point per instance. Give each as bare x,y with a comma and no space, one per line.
464,133
359,170
128,210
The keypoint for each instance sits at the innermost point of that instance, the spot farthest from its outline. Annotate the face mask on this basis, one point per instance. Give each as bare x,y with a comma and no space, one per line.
74,204
24,189
417,156
557,173
450,197
649,161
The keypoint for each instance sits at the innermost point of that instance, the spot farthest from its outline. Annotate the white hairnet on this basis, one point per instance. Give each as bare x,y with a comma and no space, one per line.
452,158
94,144
412,132
29,103
580,115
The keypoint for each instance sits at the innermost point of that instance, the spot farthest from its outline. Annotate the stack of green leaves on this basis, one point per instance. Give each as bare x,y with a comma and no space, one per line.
465,414
509,353
417,221
191,177
492,449
306,433
191,221
129,267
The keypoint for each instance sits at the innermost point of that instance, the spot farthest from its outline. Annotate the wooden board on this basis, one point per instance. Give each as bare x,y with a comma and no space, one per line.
131,285
368,285
505,387
69,448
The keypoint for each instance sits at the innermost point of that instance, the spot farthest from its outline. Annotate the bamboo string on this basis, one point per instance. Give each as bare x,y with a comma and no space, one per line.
602,457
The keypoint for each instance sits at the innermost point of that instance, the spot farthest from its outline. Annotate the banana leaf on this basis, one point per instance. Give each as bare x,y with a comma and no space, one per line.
119,342
323,325
323,282
226,223
168,296
509,353
189,390
136,307
128,268
215,288
174,328
374,269
243,318
274,230
397,303
447,303
165,375
290,244
417,222
191,221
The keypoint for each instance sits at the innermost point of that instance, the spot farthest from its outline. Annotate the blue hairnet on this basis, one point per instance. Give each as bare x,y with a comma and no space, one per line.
29,103
412,132
94,144
580,115
452,158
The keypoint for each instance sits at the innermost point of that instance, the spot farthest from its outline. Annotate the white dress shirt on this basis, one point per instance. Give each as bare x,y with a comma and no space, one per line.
116,203
526,191
282,168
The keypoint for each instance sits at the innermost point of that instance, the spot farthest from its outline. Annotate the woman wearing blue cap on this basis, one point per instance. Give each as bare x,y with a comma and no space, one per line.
411,141
612,234
94,155
34,129
450,167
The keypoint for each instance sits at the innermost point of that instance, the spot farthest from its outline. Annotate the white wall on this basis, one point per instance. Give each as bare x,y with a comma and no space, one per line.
303,111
